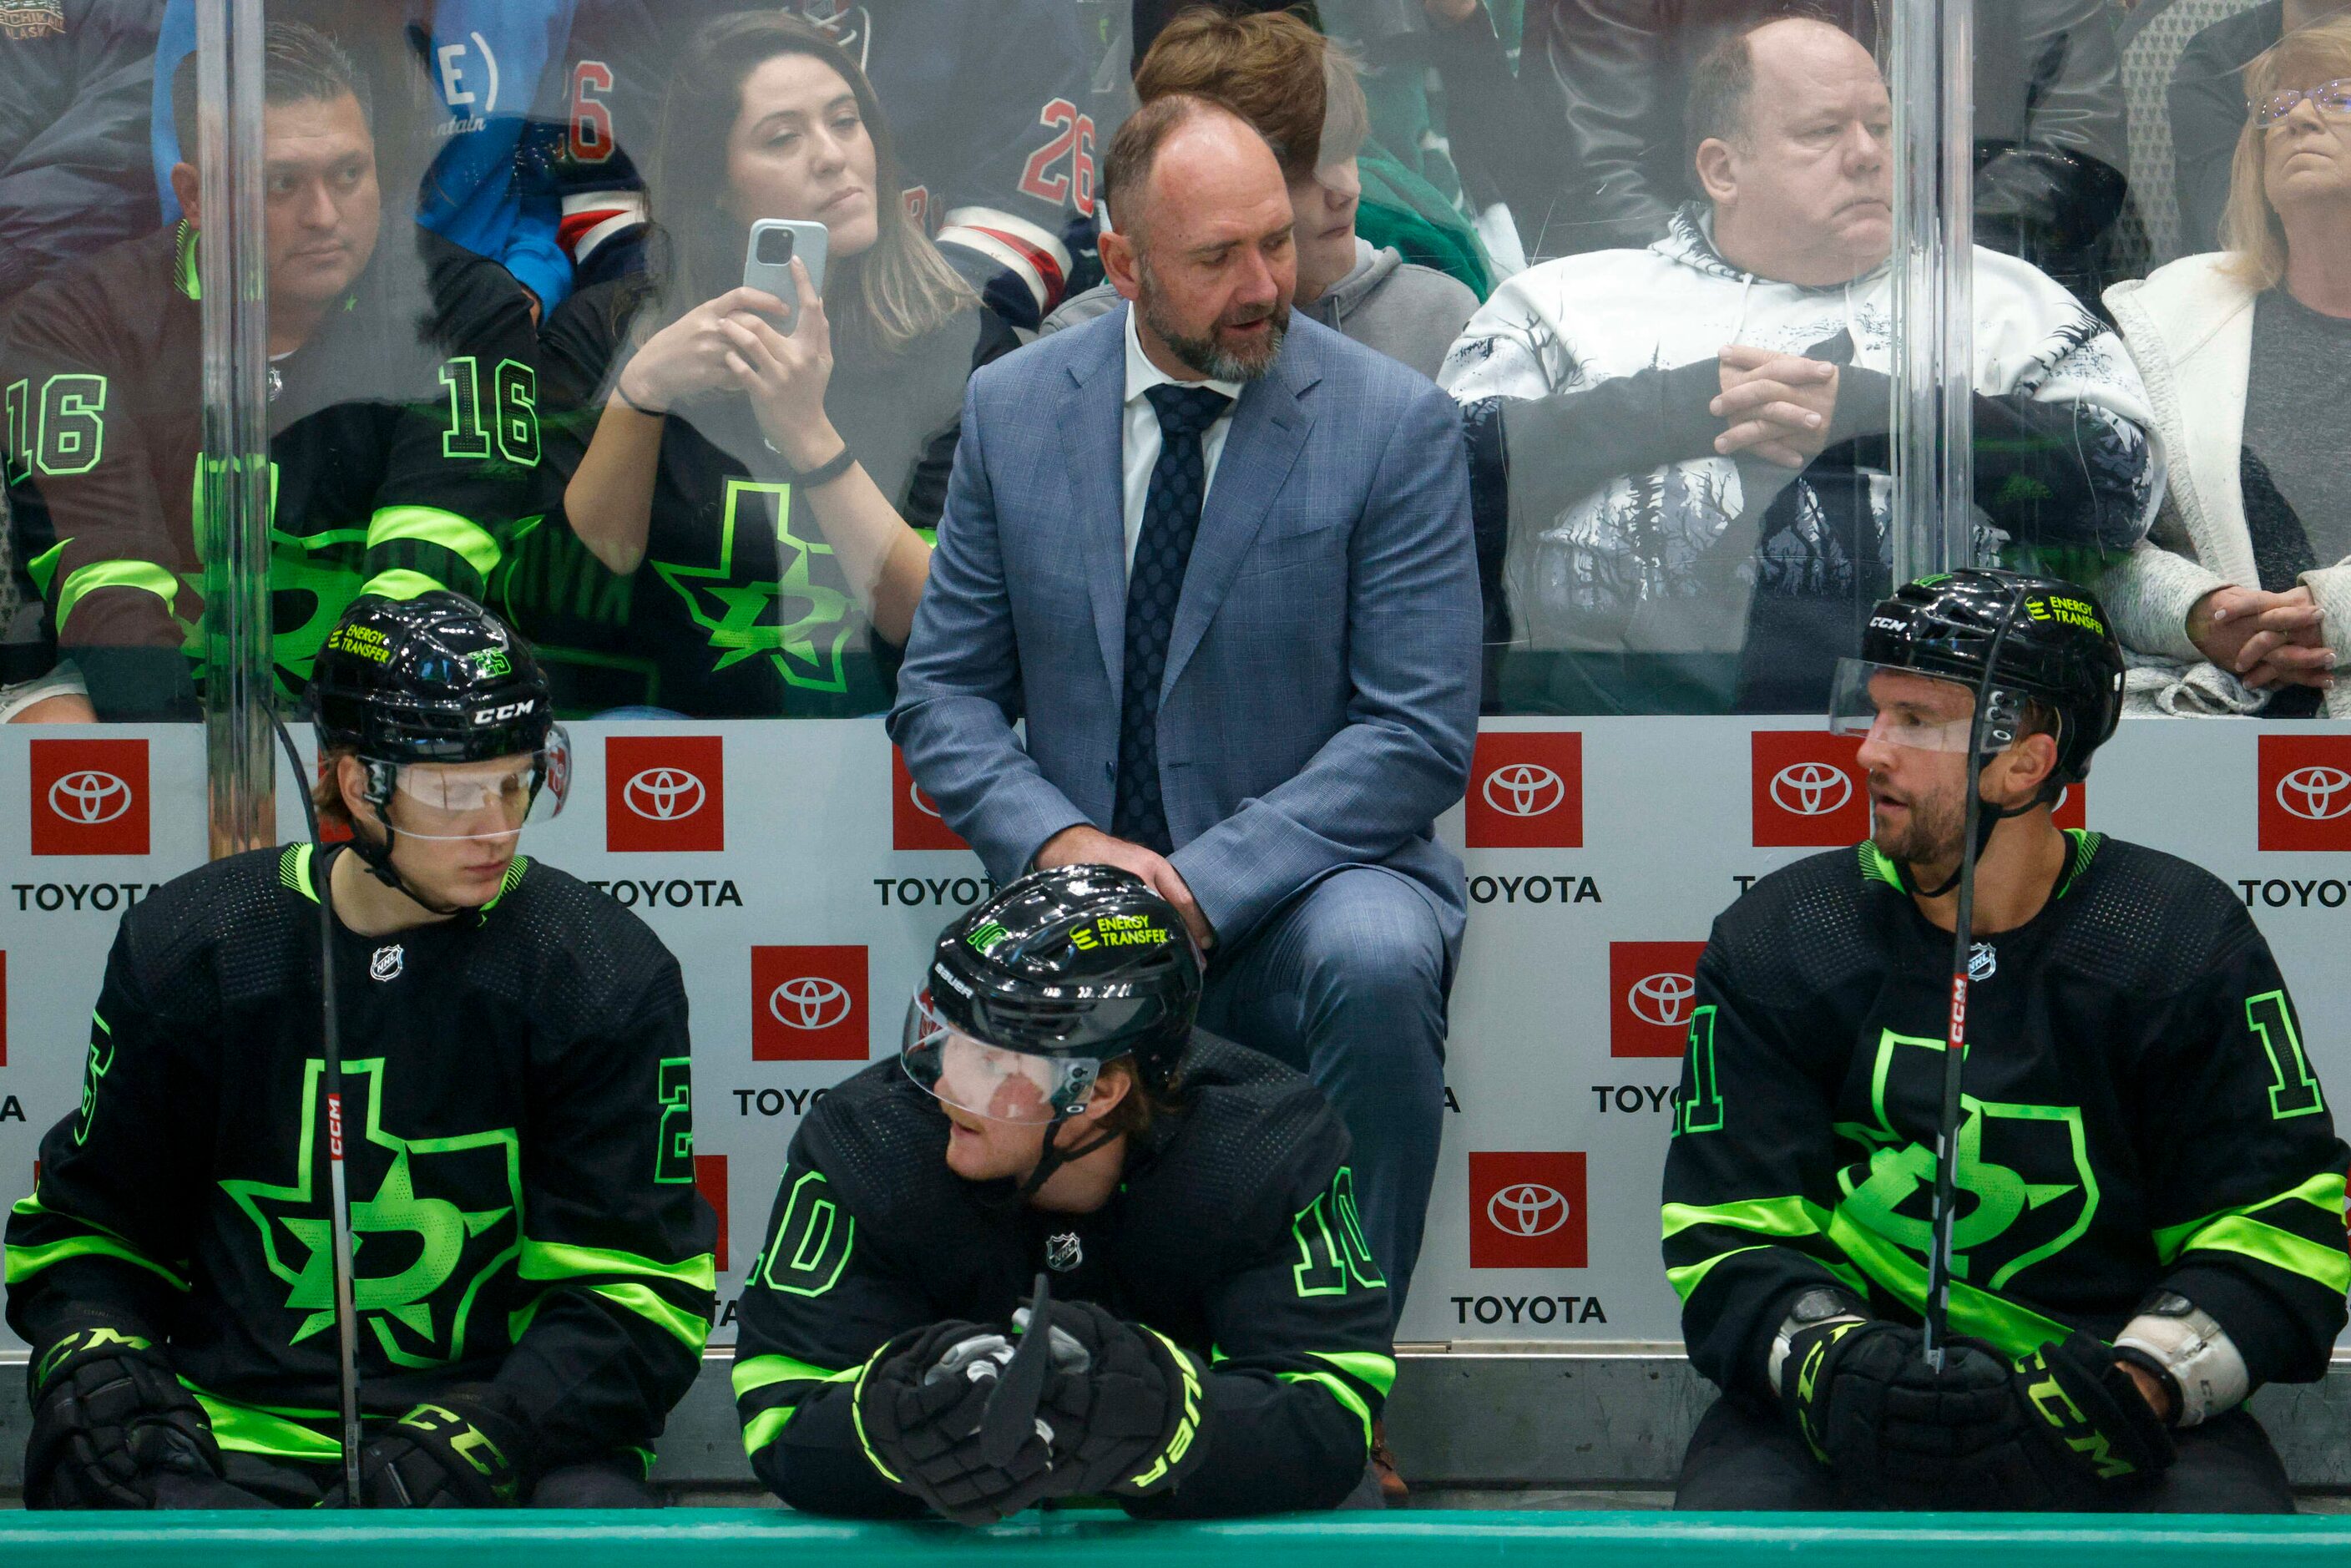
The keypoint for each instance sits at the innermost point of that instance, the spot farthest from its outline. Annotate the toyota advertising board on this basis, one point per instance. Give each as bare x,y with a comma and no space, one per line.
796,874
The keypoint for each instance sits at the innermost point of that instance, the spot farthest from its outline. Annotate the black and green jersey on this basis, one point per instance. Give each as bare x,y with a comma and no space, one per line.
2139,1113
403,447
518,1121
739,610
1235,1234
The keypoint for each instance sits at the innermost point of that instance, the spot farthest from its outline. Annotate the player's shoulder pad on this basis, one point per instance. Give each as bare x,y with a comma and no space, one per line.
1806,928
2142,921
880,1141
230,931
1252,1143
567,951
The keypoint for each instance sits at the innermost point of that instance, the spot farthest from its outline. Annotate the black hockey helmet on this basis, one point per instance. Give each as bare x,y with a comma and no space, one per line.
418,688
2058,650
436,678
1031,993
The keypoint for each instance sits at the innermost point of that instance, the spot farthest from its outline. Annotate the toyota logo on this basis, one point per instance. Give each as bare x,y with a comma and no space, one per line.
89,796
1528,1208
664,794
811,1001
922,801
2313,794
1524,790
1810,789
1662,999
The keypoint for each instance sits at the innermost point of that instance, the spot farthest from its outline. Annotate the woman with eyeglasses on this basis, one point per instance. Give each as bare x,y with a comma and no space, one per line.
2239,600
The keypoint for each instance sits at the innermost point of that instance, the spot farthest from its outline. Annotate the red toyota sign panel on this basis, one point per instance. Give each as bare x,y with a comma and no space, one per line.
1526,1211
808,1004
2305,792
915,820
89,796
710,1180
1810,791
664,792
1526,791
1652,989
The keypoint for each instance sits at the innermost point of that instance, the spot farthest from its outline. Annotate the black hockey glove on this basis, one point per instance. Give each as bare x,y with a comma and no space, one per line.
1835,1382
1127,1414
440,1456
2089,1415
109,1419
918,1404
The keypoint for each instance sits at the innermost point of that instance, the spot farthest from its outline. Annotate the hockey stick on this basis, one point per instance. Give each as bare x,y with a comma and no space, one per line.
1937,1334
1011,1414
339,1219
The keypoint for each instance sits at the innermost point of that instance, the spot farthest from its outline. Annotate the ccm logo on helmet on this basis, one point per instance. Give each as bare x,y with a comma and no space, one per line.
503,711
1888,624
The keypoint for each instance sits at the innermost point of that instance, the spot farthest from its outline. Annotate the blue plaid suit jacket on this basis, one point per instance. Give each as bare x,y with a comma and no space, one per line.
1321,697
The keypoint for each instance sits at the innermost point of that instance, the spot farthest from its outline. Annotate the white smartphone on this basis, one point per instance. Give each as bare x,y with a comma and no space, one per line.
767,263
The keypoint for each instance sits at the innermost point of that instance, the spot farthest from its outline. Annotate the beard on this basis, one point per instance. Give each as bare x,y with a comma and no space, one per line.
1208,355
1931,836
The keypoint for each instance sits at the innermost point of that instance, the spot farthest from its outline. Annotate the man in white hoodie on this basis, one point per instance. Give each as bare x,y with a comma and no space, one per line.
1689,441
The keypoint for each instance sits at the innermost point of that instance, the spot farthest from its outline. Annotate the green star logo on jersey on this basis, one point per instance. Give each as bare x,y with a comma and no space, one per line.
2027,1191
745,620
420,1260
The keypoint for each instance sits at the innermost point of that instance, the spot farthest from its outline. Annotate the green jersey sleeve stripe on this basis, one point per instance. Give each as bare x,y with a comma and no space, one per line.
247,1430
562,1260
1345,1395
692,1329
2323,1193
399,583
2329,1266
766,1427
1764,1216
1362,1366
24,1262
765,1371
140,574
430,525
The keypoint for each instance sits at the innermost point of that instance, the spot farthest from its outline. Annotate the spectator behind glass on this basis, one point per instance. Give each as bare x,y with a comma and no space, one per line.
1694,435
404,433
73,81
2207,94
738,474
1299,91
2240,601
1612,75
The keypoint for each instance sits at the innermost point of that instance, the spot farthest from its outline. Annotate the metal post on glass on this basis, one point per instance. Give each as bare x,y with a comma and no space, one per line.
232,520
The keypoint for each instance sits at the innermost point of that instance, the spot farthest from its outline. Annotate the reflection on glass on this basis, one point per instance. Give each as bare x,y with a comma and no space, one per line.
1680,452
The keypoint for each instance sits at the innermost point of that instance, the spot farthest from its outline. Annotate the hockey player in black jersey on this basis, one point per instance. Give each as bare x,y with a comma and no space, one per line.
533,1264
2150,1192
1220,1335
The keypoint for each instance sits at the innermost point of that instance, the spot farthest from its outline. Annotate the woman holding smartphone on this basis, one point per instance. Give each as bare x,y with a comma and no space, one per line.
761,468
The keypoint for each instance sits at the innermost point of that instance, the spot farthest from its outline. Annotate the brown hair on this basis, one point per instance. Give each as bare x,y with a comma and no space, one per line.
1297,87
882,300
2251,230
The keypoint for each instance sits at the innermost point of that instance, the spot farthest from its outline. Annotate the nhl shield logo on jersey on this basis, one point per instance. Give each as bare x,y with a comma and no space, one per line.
1064,1251
388,962
1983,962
2023,1171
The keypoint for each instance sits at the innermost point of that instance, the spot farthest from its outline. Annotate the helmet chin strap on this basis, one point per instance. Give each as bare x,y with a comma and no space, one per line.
1990,817
377,858
1054,1157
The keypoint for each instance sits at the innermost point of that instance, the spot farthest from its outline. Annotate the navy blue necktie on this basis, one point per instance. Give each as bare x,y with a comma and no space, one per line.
1162,548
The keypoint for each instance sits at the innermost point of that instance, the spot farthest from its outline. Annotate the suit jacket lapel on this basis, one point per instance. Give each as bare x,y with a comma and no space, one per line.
1269,428
1093,441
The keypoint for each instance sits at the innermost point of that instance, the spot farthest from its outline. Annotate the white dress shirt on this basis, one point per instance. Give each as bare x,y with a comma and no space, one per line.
1141,445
